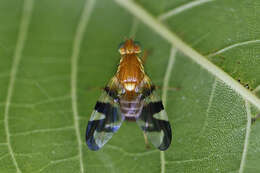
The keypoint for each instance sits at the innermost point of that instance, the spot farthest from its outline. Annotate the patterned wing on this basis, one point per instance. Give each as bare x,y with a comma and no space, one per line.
105,120
154,122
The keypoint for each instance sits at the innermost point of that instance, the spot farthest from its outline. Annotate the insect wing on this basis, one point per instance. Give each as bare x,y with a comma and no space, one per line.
105,120
154,122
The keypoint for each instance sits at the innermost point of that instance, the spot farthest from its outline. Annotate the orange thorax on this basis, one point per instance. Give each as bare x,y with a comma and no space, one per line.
130,72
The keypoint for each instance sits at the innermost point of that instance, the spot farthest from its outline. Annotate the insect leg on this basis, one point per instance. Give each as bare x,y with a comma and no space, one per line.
144,57
254,119
146,141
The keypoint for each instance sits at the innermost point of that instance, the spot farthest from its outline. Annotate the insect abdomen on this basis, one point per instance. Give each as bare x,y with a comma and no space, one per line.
131,109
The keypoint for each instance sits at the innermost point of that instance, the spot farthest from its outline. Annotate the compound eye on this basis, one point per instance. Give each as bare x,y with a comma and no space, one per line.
121,45
121,48
137,46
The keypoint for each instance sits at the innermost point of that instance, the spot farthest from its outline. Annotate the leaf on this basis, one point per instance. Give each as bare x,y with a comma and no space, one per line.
57,55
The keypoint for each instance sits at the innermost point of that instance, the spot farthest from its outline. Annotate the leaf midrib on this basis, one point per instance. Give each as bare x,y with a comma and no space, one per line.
201,60
147,18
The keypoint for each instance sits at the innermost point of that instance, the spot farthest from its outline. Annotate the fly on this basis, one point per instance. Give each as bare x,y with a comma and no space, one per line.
129,95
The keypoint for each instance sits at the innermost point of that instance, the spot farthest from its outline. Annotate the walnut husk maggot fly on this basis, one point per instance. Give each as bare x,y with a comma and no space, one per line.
129,95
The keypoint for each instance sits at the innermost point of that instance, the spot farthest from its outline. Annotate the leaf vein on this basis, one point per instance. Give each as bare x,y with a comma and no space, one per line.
186,161
172,38
85,16
208,108
248,130
33,105
232,46
128,153
54,162
23,29
43,131
3,156
167,76
182,8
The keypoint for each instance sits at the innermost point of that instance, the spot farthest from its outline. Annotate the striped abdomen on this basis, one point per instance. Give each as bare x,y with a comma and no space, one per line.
131,109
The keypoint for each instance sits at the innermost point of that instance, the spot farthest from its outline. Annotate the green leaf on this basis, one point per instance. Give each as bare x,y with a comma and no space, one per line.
57,55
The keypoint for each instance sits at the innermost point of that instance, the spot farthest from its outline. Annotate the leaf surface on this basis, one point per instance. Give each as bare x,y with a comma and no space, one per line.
57,55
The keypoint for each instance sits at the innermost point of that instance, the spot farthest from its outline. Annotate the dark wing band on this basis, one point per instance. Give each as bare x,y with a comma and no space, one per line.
154,122
105,120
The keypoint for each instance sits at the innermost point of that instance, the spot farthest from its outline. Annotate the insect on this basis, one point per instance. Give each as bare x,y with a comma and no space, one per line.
129,95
